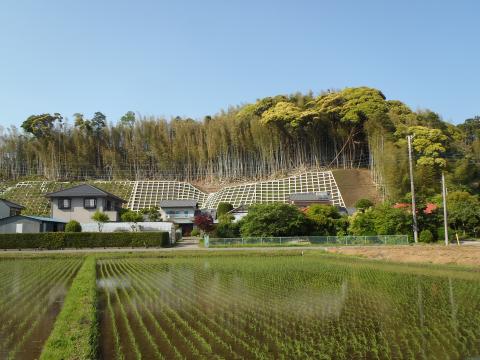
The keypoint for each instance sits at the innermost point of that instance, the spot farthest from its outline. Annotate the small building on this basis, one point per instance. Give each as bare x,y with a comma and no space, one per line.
30,224
239,212
303,200
181,212
81,202
8,208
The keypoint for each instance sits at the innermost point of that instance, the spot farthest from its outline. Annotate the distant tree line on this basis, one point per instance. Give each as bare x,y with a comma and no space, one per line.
354,127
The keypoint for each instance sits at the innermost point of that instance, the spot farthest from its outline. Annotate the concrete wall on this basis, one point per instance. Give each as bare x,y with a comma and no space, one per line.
79,213
125,226
27,226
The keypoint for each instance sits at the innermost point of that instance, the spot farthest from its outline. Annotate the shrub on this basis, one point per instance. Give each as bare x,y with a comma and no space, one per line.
362,223
132,217
324,219
441,234
100,218
152,213
83,240
227,230
73,226
204,222
223,208
363,204
195,232
381,220
274,219
425,236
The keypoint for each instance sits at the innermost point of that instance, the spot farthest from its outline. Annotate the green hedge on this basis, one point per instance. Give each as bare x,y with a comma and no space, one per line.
75,333
60,240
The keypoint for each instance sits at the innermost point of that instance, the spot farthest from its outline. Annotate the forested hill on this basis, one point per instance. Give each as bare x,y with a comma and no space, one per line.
354,127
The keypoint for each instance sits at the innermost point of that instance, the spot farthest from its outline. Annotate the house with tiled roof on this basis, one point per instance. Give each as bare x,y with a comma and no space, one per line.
82,201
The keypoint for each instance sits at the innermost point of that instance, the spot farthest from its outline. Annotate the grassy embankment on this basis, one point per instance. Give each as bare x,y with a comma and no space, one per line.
75,334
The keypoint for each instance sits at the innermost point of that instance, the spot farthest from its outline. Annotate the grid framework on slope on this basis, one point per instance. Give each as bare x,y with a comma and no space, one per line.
120,188
142,194
31,194
277,190
149,193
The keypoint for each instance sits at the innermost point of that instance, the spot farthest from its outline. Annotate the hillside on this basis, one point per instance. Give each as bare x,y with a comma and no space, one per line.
355,184
346,129
345,186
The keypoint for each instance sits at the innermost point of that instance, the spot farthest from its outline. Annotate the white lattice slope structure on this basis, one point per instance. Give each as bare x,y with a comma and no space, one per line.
144,194
277,190
149,193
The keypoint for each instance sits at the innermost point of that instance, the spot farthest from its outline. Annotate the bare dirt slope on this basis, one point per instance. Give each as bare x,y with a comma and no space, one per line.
435,254
355,184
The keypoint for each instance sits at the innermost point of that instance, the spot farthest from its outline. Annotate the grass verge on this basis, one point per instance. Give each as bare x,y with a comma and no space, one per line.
75,334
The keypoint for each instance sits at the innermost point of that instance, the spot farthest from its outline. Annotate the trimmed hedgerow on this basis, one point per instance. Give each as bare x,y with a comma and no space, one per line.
60,240
75,333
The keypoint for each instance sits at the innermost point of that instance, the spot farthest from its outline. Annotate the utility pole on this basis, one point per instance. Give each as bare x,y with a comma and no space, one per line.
412,189
444,196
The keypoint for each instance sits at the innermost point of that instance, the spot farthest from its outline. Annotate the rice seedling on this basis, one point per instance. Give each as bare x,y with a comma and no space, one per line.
31,295
276,307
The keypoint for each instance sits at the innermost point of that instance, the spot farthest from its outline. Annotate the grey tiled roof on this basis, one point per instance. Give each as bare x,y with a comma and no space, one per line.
83,190
12,204
35,218
46,219
311,196
177,203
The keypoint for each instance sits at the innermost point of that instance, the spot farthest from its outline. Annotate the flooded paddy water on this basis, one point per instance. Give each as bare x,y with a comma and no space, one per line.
31,296
316,306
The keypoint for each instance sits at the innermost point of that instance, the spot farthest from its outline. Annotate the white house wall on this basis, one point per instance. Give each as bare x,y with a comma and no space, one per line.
78,212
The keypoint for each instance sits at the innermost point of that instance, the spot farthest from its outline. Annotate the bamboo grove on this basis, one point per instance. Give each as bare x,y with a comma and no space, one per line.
354,127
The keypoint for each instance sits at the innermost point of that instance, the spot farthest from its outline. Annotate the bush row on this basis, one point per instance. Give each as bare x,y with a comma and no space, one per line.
75,334
60,240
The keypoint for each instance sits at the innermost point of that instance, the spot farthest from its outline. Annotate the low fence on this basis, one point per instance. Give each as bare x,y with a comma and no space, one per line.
310,240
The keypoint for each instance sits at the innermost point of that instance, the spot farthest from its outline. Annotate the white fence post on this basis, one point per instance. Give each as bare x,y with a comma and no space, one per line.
206,241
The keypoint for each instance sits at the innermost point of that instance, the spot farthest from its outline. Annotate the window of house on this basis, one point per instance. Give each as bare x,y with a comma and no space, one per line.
90,203
186,212
108,205
64,203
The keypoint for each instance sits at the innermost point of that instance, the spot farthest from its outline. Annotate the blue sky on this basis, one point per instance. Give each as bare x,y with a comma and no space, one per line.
193,58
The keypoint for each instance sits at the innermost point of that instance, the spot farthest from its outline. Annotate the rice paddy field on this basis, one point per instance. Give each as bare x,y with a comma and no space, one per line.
31,296
288,304
284,307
